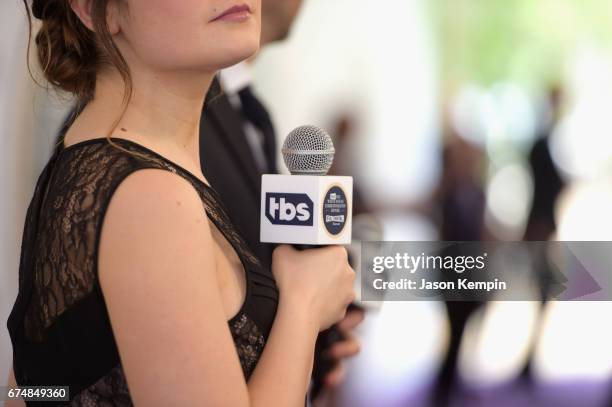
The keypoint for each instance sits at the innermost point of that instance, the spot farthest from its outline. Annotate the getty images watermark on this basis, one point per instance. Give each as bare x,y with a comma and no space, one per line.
484,271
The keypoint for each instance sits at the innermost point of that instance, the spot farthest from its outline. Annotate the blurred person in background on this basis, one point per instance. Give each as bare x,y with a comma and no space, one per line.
461,196
461,202
547,182
140,277
541,224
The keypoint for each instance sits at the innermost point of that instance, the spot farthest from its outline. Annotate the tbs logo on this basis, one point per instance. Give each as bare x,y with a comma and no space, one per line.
289,209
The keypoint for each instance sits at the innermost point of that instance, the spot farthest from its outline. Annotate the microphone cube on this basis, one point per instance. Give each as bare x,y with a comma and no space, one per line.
306,209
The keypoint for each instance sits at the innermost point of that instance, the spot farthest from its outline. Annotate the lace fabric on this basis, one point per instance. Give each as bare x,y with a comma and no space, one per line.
60,315
110,391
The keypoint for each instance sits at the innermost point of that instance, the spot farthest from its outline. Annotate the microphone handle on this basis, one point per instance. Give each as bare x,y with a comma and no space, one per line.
323,365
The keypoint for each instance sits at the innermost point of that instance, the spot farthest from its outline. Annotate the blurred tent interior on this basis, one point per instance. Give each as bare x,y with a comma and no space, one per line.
460,120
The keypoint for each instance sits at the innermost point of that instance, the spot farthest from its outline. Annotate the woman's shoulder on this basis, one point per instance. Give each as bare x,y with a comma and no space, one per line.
119,170
83,180
149,207
153,213
90,192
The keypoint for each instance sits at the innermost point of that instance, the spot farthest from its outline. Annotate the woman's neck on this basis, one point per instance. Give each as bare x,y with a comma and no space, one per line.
164,111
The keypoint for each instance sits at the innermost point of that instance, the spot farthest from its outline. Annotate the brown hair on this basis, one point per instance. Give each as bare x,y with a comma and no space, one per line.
71,55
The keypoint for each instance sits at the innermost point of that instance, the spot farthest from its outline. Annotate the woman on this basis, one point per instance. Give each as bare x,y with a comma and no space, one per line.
135,287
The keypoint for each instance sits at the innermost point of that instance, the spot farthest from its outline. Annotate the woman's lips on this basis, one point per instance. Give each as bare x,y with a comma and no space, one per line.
236,13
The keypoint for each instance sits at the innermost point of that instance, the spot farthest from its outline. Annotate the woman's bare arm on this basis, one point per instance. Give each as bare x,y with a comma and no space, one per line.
157,272
290,347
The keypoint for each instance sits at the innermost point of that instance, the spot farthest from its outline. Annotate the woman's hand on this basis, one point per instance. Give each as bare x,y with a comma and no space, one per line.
320,280
348,347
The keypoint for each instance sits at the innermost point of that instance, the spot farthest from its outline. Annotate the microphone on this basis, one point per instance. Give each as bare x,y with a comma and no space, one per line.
307,207
308,150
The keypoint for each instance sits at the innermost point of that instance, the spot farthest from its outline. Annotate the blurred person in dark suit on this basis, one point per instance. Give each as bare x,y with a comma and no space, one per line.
547,182
238,144
547,186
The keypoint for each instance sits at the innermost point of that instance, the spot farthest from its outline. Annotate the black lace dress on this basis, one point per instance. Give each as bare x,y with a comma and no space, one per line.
59,325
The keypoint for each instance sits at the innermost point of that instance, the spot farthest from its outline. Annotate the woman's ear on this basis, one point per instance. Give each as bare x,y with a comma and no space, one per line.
113,17
82,8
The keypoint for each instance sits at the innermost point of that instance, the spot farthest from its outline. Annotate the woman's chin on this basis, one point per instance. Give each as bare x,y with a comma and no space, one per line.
238,54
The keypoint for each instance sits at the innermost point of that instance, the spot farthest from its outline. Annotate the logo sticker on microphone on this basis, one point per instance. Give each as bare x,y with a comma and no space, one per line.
289,209
334,210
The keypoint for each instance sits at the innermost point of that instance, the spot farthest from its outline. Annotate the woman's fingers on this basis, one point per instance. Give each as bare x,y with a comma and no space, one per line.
353,318
346,348
336,376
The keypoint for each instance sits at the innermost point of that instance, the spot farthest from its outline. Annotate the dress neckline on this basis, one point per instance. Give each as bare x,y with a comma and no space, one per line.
120,140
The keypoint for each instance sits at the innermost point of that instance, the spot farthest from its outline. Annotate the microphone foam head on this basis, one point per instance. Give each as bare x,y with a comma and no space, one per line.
308,150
